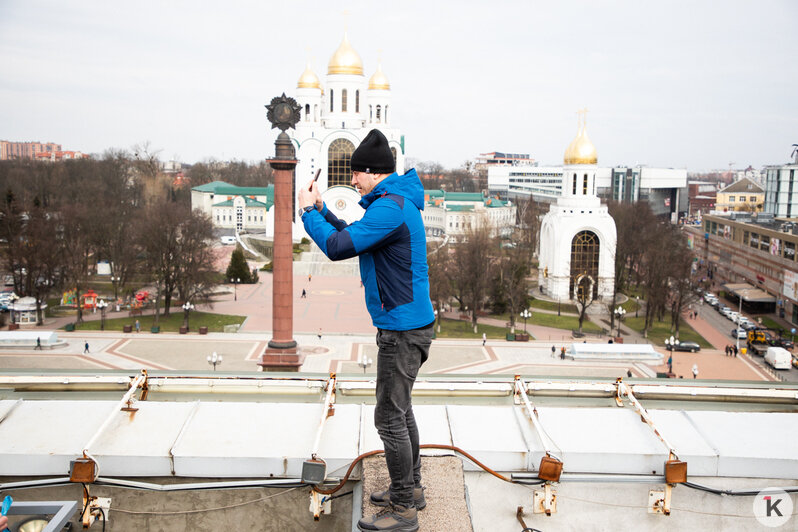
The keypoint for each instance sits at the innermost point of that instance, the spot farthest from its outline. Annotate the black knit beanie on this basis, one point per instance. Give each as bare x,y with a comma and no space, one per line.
373,156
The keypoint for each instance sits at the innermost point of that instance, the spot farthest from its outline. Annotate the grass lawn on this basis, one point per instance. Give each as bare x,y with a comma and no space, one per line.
551,305
631,305
770,324
662,329
463,329
214,322
544,319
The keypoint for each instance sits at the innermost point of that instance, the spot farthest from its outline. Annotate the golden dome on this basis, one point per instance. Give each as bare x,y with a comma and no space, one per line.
345,60
581,150
379,81
308,80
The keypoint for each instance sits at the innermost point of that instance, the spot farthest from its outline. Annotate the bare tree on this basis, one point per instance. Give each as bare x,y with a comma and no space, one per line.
439,262
471,262
509,283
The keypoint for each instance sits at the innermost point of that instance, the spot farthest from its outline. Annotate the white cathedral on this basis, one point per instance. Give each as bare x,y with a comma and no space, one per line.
578,235
335,118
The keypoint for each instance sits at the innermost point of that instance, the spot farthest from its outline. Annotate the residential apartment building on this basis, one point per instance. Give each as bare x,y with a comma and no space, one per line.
25,150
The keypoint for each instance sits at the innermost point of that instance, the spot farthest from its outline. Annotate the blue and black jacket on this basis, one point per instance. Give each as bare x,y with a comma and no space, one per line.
392,247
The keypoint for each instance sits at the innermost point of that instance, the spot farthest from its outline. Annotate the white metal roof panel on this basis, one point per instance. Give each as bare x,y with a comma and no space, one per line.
604,440
752,444
263,439
41,437
139,443
687,440
492,434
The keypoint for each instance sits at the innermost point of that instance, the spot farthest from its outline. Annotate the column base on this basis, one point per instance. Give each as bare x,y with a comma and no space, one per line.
281,356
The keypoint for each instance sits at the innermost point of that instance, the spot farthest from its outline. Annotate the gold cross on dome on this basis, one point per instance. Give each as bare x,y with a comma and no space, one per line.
582,116
346,20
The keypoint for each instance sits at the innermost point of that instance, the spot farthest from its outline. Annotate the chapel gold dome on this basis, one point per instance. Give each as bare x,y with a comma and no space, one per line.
379,81
308,80
345,60
581,150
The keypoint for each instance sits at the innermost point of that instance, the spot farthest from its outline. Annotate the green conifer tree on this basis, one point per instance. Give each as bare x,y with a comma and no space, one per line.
238,267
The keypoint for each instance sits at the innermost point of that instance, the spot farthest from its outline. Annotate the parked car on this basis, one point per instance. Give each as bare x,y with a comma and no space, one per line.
783,342
733,315
748,325
685,346
778,357
739,333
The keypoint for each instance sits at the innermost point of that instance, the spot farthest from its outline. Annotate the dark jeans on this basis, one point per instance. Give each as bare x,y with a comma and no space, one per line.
400,355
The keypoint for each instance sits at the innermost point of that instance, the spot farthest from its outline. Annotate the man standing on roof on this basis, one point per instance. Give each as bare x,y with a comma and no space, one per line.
392,247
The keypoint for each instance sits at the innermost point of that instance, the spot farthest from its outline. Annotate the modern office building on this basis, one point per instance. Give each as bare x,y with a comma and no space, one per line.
781,189
663,188
757,249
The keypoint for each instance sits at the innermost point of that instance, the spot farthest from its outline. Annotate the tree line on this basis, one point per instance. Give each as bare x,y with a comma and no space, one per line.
58,220
483,272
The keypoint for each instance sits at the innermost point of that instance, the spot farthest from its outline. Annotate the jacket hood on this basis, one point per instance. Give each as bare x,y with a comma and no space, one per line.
408,186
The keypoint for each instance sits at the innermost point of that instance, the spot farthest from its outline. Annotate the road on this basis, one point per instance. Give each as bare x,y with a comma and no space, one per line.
724,325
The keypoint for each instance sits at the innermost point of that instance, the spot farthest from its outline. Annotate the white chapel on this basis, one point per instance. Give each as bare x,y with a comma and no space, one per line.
335,117
577,235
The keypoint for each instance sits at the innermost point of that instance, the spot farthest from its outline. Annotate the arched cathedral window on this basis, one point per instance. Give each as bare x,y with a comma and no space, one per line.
585,248
357,101
307,112
584,185
343,100
379,113
338,156
332,99
574,191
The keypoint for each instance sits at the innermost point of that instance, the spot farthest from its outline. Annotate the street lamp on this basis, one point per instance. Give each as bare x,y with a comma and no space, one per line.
364,362
637,300
187,307
620,312
214,359
114,281
102,306
235,281
558,306
526,315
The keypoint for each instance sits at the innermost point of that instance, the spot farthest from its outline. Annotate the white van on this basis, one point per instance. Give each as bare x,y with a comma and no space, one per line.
228,240
778,357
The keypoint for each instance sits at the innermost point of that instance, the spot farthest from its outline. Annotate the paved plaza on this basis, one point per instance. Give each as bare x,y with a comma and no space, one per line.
334,309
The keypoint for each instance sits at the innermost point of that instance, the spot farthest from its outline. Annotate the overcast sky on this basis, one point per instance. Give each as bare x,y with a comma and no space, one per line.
693,84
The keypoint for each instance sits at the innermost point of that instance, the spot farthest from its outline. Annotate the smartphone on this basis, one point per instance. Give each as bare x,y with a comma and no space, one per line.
315,178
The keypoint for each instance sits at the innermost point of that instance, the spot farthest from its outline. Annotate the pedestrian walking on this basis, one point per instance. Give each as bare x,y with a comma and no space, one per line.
562,353
304,294
391,242
38,343
695,371
670,364
484,339
319,333
735,351
310,277
138,326
86,348
553,352
727,349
